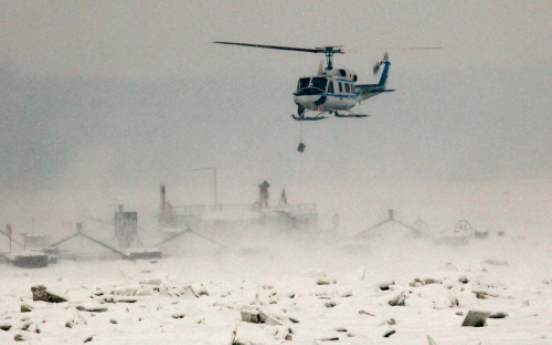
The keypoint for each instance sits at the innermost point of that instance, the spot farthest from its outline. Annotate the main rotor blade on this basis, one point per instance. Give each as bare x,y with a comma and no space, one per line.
326,49
390,49
308,50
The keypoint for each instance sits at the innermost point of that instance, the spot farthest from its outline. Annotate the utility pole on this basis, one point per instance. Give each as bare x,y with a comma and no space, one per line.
214,182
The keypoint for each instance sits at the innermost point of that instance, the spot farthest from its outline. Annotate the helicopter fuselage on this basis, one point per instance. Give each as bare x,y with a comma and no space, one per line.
335,90
331,90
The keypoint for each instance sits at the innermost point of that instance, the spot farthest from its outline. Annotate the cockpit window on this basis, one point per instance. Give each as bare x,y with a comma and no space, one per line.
303,83
311,86
320,83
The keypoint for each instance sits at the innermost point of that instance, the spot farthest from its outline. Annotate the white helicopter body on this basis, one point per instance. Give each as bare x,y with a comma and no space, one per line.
335,90
332,90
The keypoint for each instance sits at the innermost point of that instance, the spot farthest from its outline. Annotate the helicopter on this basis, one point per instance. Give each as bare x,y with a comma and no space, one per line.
332,91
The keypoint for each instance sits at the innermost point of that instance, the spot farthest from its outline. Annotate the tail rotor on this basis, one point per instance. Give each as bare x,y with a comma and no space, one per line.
378,64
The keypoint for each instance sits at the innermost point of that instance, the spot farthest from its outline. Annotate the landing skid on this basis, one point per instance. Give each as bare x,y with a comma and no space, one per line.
306,118
350,115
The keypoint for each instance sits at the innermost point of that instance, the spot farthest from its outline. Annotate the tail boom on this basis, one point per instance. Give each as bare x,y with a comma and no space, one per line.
370,90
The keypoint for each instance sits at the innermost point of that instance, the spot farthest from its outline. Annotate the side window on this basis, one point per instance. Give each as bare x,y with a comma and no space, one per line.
347,88
340,87
331,87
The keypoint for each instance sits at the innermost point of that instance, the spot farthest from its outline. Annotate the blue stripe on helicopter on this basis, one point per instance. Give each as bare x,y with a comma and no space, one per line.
340,95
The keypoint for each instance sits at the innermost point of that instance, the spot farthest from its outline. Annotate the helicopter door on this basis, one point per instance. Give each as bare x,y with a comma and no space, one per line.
331,86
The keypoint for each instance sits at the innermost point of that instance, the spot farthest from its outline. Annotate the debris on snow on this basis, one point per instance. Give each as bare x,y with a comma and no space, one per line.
498,315
91,308
398,300
431,341
496,262
386,285
153,281
199,290
251,316
40,293
389,332
362,311
25,308
5,326
476,318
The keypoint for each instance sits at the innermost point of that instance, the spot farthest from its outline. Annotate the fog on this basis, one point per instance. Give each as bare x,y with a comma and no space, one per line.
102,102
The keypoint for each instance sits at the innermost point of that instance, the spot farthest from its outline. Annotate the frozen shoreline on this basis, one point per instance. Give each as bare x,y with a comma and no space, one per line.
330,294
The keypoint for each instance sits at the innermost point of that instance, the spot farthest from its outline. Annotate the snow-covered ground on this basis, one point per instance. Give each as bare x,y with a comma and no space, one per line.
306,287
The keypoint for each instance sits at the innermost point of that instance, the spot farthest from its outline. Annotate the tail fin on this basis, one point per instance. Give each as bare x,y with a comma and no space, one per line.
383,79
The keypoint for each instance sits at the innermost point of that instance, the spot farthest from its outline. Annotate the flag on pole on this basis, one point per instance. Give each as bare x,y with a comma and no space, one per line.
283,198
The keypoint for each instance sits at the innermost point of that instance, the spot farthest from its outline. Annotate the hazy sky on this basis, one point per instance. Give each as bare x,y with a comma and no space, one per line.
113,95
